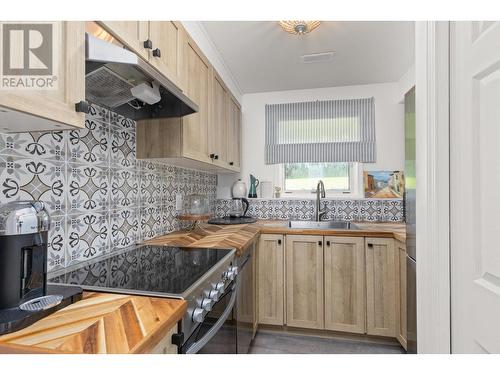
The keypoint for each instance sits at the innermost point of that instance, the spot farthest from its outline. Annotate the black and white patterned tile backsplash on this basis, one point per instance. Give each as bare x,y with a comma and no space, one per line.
99,195
336,209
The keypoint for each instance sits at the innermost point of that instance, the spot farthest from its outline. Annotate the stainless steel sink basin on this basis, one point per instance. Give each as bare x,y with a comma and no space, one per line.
322,225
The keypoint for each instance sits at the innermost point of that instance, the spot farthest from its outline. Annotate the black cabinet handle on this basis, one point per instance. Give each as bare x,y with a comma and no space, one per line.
231,163
320,243
216,157
327,243
148,44
212,156
279,242
157,52
370,245
82,106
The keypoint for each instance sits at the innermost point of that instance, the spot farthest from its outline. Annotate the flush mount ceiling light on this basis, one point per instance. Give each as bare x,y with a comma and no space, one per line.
299,27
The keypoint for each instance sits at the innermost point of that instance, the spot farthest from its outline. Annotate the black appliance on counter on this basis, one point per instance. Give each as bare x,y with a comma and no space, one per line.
237,214
207,279
24,294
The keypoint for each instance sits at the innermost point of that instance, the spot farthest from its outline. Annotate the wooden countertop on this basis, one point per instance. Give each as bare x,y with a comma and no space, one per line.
240,236
100,323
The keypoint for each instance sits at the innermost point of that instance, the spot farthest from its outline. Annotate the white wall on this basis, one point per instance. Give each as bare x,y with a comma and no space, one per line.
389,123
405,83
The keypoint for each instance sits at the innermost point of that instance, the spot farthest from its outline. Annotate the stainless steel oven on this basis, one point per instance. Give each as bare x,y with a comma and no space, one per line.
216,334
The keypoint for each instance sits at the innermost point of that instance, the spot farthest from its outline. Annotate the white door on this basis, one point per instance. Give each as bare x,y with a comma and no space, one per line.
475,187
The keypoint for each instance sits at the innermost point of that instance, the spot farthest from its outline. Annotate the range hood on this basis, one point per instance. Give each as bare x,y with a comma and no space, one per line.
112,73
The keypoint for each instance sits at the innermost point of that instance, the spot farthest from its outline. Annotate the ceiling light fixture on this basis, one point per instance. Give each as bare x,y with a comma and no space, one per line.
299,27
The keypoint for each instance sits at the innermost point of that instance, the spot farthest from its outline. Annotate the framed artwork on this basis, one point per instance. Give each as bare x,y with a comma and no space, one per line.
384,184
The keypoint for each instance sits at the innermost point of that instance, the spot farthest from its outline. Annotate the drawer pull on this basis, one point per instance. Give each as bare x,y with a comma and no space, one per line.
370,245
320,243
327,243
148,44
279,242
157,52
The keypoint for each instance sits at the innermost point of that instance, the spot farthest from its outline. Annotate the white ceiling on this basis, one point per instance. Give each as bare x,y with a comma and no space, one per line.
262,57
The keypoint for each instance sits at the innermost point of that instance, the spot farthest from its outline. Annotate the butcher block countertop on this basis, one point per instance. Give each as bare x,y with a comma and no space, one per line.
240,236
100,323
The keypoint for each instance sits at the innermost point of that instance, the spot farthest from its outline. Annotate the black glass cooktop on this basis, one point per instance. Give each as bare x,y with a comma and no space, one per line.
154,269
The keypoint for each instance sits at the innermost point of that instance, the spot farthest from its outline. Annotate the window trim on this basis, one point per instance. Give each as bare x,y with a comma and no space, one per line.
355,182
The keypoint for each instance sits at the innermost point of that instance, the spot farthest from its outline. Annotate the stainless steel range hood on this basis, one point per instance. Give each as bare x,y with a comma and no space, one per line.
111,71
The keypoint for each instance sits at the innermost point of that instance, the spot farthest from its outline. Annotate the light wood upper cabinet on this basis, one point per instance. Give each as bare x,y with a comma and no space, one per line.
270,279
158,42
196,78
345,284
217,136
133,34
233,132
304,282
401,295
51,109
381,283
166,51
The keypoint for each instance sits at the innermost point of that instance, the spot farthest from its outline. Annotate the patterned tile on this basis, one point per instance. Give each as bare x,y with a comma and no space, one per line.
89,145
122,148
124,228
88,188
124,188
336,209
88,236
57,243
33,179
39,145
150,224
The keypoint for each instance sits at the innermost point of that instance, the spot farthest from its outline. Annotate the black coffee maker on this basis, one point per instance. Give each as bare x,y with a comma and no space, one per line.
24,294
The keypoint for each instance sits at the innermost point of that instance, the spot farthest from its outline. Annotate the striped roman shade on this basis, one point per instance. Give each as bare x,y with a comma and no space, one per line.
321,131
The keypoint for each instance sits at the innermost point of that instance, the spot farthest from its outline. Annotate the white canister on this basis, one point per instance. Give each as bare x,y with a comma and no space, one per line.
266,189
239,189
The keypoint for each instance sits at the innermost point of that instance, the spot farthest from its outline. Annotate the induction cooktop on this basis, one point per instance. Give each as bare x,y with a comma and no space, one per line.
148,270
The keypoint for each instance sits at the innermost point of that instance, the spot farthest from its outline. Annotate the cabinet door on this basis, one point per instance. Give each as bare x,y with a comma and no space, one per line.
270,279
164,56
196,78
131,33
165,346
217,135
345,284
55,107
304,281
401,328
381,281
233,133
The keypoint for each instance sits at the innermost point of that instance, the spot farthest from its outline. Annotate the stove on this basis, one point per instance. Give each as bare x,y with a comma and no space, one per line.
195,275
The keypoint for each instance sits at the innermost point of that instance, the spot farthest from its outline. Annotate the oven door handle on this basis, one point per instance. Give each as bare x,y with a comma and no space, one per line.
193,349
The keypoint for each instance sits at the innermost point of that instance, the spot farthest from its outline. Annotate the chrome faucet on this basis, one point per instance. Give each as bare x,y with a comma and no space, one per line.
320,193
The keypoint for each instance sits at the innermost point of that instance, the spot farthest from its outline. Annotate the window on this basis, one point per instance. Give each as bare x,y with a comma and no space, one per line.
301,179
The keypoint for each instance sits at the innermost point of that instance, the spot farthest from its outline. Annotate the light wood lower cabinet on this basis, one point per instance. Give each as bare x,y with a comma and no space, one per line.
165,346
270,279
304,282
401,327
381,286
23,110
345,284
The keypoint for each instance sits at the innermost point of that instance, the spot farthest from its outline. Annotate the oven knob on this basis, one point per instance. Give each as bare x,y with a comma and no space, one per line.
219,286
213,294
206,304
234,269
230,275
198,315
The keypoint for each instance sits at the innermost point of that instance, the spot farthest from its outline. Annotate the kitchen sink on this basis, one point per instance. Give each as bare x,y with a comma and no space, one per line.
322,224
